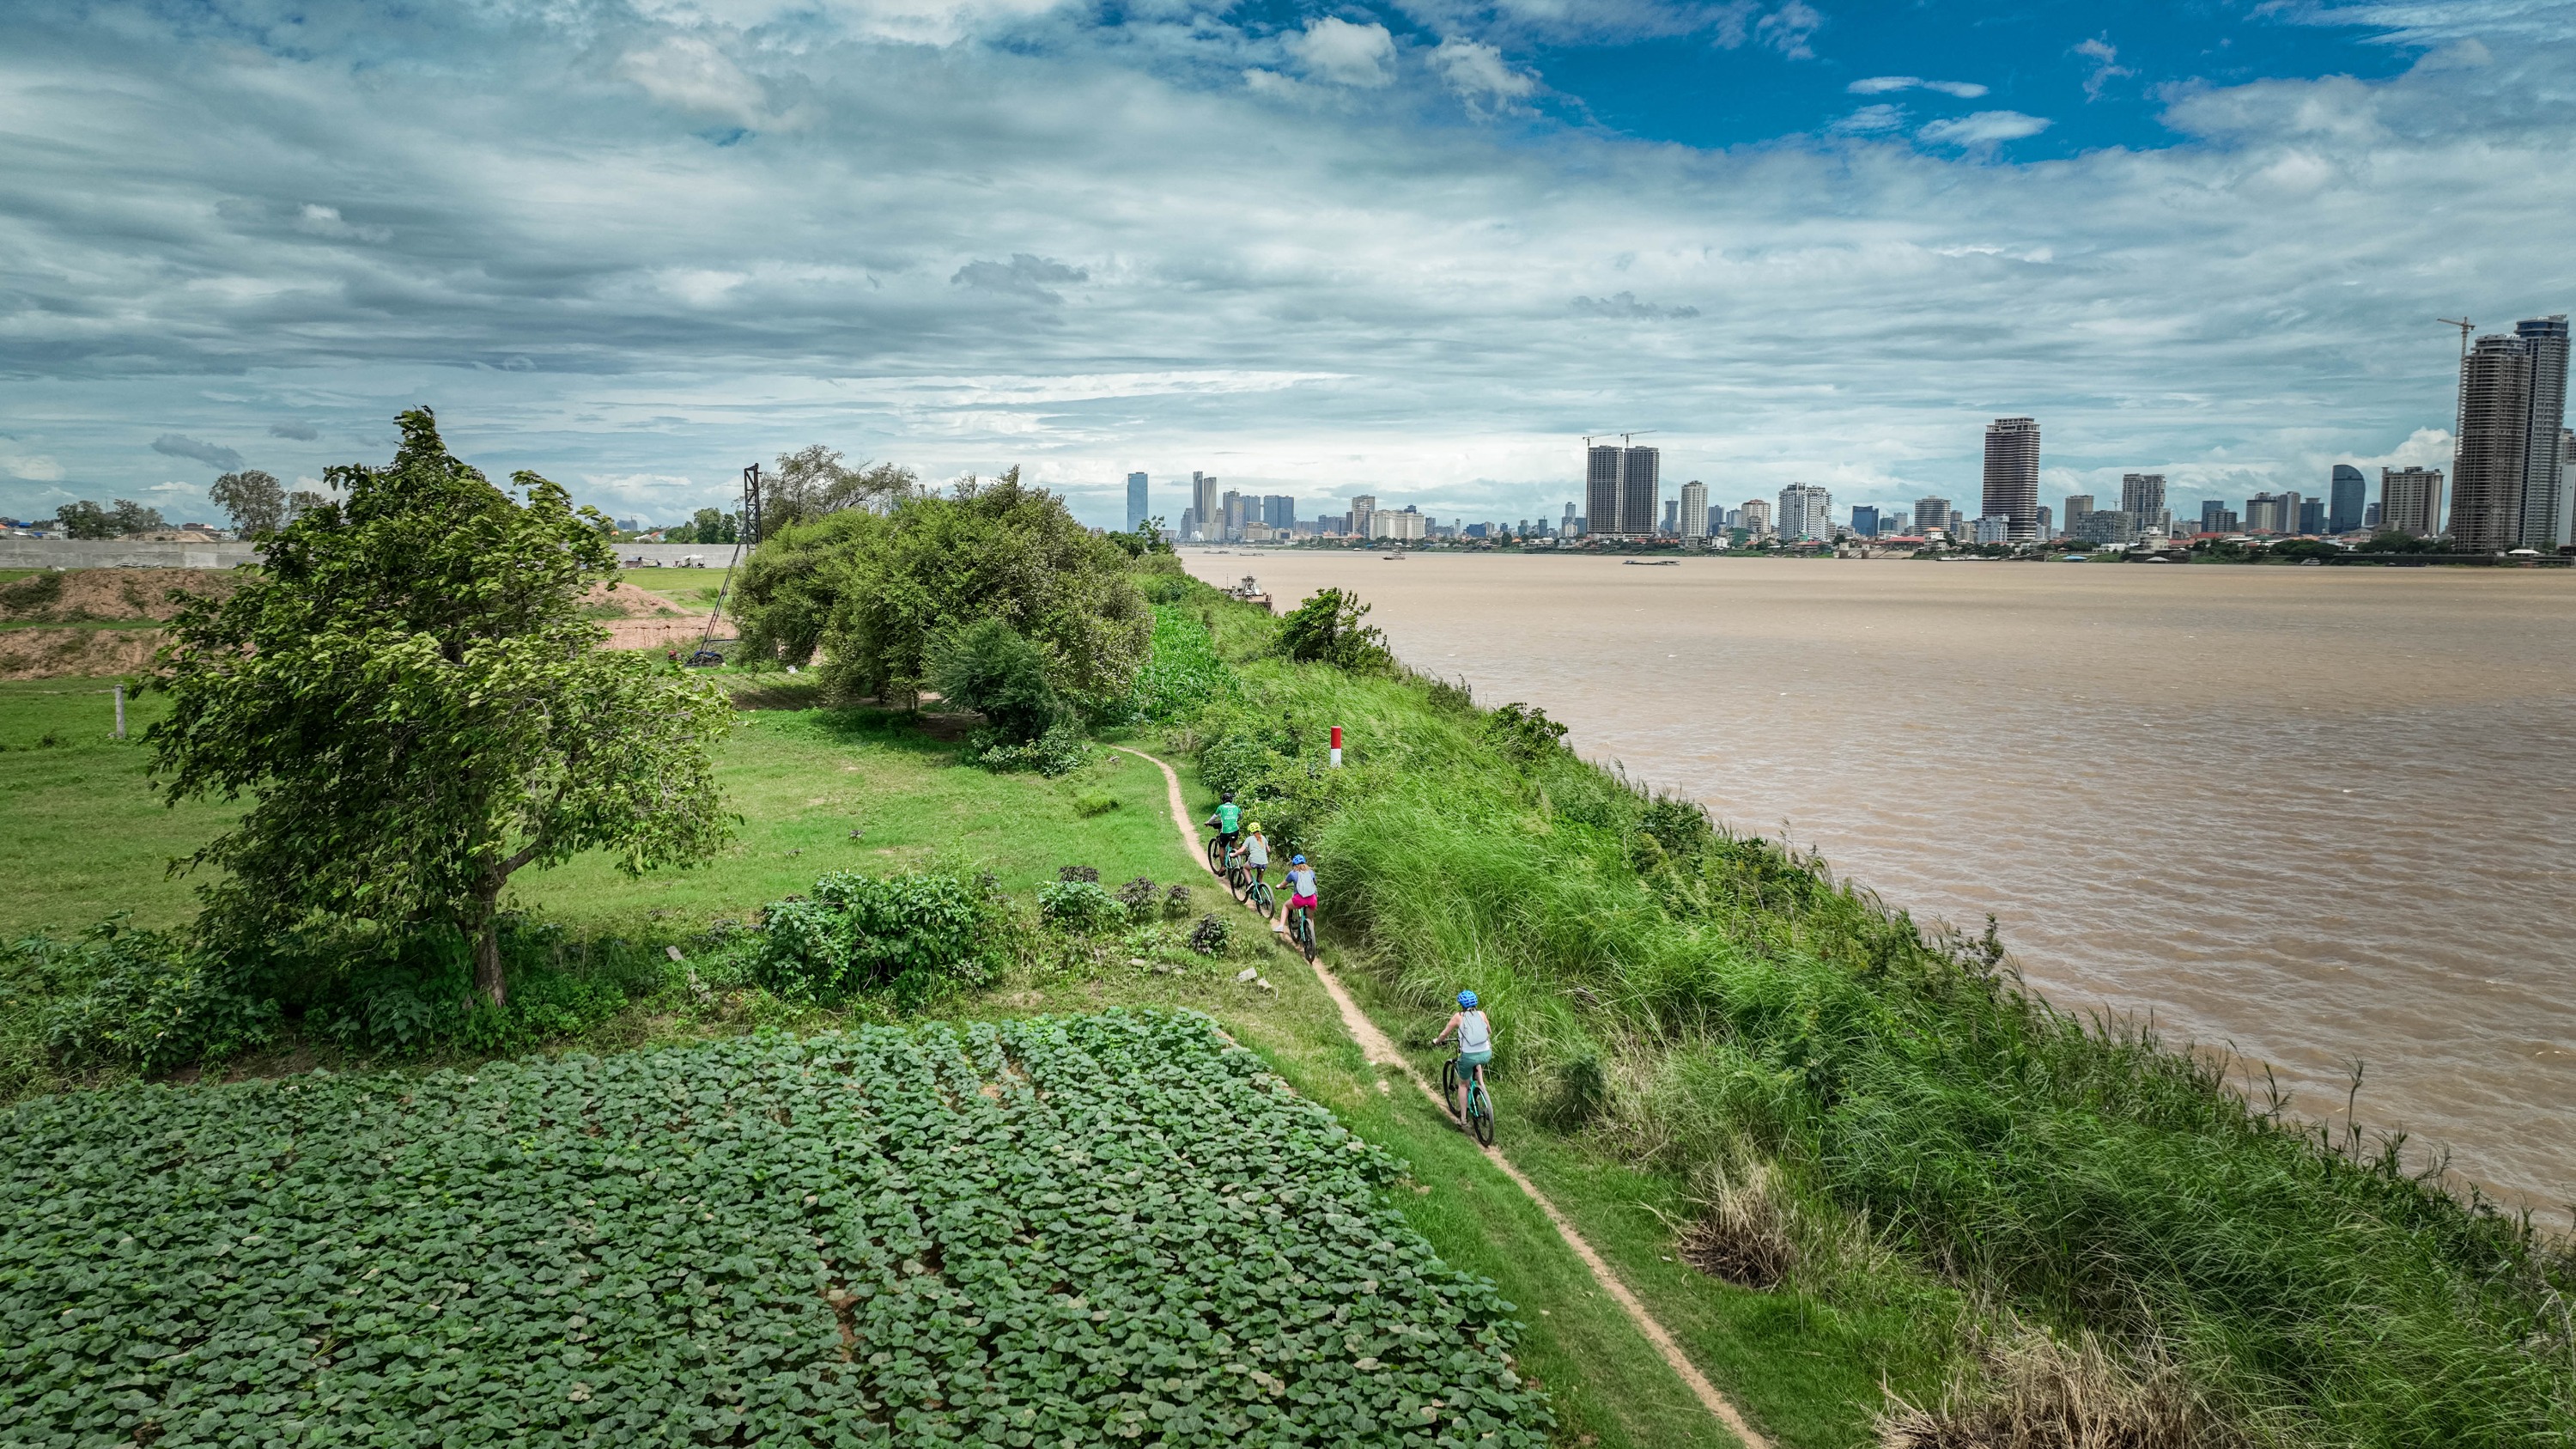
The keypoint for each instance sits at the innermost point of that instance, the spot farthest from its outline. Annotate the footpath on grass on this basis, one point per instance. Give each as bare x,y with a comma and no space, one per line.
1379,1051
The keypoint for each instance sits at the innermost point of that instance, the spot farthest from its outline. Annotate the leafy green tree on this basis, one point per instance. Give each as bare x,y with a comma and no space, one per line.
878,594
254,499
410,694
131,517
84,519
1524,732
2395,541
1326,629
813,482
715,526
988,668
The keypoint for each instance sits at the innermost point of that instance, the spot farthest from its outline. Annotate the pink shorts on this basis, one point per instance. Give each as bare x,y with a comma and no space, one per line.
1301,903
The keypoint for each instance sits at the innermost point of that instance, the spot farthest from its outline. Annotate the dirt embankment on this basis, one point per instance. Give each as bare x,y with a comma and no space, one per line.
76,603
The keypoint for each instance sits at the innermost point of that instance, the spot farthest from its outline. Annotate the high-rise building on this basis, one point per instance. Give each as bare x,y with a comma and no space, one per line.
2047,523
2012,474
1931,513
1136,512
1568,528
2291,504
1189,523
2566,486
1279,510
1894,524
1641,487
2410,501
2142,497
2312,515
2495,434
1672,515
2268,513
2544,512
2346,497
1806,511
1757,515
1362,508
1203,498
2106,525
1694,509
1601,488
2077,505
1865,519
2370,518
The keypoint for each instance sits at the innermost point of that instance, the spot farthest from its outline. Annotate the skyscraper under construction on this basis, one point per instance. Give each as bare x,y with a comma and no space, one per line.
1622,490
2495,426
2544,517
2012,475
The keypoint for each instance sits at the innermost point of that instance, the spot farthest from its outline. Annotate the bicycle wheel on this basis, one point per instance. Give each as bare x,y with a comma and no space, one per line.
1305,933
1261,899
1215,857
1449,1085
1480,1113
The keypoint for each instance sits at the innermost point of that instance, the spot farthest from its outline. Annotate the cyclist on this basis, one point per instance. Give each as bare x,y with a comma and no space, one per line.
1256,850
1228,821
1301,894
1475,1042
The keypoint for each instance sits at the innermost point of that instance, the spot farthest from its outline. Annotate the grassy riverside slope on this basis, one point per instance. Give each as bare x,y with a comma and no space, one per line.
801,777
1733,1020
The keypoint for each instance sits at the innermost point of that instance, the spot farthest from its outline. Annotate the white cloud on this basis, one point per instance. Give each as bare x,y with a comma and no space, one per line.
33,467
1985,128
1875,120
1626,307
2106,66
1333,49
1788,29
325,221
1880,85
688,73
1480,75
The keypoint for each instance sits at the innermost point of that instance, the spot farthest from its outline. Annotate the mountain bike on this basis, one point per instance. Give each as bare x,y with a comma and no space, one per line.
1479,1115
1257,894
1301,930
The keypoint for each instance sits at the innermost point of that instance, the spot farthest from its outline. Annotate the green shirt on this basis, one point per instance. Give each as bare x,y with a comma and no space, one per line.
1229,817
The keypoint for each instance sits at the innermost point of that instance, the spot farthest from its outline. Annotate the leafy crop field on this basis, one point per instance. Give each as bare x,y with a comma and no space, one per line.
1059,1231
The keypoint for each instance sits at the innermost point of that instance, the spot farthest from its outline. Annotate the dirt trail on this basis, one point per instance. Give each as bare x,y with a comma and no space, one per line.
1374,1045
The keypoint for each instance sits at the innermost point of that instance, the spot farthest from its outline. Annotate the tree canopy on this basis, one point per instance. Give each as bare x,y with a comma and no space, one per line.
410,694
879,594
254,499
1328,629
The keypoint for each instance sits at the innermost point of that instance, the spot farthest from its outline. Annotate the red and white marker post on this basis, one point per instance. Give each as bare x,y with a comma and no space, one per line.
1337,747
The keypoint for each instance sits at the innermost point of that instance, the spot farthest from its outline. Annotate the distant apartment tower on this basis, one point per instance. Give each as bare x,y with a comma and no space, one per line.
1362,508
2312,515
2077,506
1601,488
2495,434
2215,517
2142,497
1865,519
1621,490
1894,524
2410,501
1757,515
1806,511
2267,513
1136,511
1279,511
1694,509
2345,499
2012,474
1932,513
2544,509
1203,499
1569,528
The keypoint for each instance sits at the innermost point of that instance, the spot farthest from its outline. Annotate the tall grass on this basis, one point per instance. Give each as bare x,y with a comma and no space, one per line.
2083,1173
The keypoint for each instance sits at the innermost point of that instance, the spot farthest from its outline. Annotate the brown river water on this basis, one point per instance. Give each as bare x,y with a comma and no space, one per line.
2315,816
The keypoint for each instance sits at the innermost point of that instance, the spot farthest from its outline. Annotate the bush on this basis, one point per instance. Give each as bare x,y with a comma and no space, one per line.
1211,936
1138,897
1082,907
1090,873
142,1000
1326,629
1060,751
989,668
922,933
1176,902
1094,802
1524,733
1183,675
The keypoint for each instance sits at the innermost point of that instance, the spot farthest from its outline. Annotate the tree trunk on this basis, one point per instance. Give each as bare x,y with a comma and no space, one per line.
487,948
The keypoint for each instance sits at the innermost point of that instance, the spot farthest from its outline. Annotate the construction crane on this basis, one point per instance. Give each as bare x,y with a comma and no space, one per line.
2466,327
1624,438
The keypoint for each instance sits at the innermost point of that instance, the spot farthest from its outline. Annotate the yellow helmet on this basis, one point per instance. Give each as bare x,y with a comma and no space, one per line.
1254,827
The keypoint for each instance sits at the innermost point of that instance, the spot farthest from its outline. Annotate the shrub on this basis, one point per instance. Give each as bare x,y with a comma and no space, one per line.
1210,937
921,932
143,1000
1060,751
1183,674
1138,897
1326,629
1094,802
1524,733
1176,902
1090,873
1082,907
990,668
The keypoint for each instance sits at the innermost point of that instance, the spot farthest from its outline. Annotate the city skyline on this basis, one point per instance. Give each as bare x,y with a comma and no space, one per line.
282,268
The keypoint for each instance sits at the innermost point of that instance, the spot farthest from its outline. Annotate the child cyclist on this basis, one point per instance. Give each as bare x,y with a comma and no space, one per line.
1300,895
1475,1044
1256,850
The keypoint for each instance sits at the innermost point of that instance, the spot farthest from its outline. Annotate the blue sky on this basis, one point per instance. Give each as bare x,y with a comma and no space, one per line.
1414,250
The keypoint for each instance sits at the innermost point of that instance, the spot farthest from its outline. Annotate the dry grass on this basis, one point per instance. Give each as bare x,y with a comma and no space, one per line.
72,596
2040,1393
1747,1230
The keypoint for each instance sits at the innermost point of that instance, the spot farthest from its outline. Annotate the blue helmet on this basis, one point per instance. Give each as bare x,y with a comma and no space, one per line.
1466,1001
1296,860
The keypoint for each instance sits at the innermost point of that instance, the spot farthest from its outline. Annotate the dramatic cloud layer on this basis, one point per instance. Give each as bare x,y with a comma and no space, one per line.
637,245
